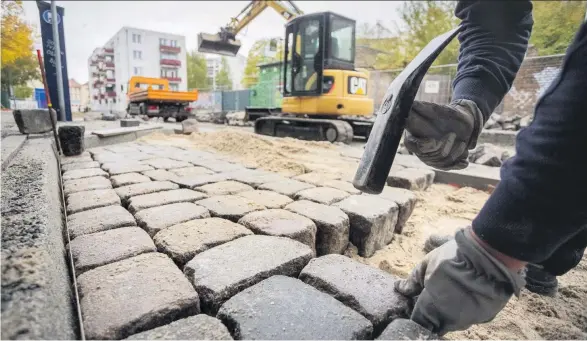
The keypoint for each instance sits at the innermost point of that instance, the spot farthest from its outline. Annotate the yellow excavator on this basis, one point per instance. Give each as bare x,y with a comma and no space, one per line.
324,97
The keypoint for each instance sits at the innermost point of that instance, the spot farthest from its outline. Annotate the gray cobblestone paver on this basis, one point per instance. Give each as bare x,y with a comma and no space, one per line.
193,181
322,195
229,207
165,163
406,329
126,192
189,171
85,184
287,187
175,196
405,200
80,165
199,327
83,201
266,198
224,188
218,165
411,178
128,179
316,178
83,173
160,175
341,185
84,157
158,218
99,219
115,168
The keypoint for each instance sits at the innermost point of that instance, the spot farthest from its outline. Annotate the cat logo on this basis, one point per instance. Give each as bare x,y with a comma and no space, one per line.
357,86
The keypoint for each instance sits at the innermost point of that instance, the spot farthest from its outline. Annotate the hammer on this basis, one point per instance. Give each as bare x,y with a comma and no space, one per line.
390,123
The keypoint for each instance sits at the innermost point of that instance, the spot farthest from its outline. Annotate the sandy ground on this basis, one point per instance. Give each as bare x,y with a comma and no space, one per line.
440,209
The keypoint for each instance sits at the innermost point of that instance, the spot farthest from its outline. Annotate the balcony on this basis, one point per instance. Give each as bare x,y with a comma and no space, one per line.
109,65
100,57
110,80
94,63
102,96
95,97
167,48
173,79
98,83
111,93
108,51
173,62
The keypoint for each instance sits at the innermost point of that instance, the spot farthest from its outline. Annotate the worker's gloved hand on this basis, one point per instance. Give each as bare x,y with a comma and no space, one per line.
459,284
441,135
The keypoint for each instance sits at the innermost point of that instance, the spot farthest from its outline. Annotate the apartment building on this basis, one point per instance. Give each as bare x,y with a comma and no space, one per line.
235,64
79,95
134,52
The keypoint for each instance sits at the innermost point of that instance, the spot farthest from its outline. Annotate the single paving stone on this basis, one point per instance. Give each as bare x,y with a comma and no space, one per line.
372,222
83,173
341,185
255,177
83,157
405,200
134,295
411,178
406,329
92,250
322,195
283,308
365,289
183,241
165,163
221,272
123,148
160,175
332,235
115,168
80,165
99,219
155,219
281,223
218,165
71,139
189,171
193,181
287,187
85,184
126,192
128,179
224,188
316,178
83,201
266,198
107,157
141,202
199,327
230,207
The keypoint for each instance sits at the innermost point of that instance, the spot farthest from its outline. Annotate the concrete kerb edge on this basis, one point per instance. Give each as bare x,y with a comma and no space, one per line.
93,141
12,152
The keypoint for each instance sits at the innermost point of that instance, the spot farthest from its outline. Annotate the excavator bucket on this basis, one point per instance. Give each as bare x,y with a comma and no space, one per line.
213,43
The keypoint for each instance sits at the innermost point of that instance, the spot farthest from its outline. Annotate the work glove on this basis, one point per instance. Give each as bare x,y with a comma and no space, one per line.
459,284
441,135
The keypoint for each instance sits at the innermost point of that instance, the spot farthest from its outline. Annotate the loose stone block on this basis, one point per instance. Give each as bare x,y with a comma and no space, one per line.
287,187
322,195
193,181
341,185
175,196
129,166
92,250
128,179
129,123
83,173
281,223
35,121
80,165
134,295
372,222
85,184
221,272
283,308
189,171
230,207
316,178
365,289
199,327
332,235
126,192
99,219
83,201
189,126
224,188
156,219
411,178
406,329
71,139
266,198
160,175
165,163
183,241
405,200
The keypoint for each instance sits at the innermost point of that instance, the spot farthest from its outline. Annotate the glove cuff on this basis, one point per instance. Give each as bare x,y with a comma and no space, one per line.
471,108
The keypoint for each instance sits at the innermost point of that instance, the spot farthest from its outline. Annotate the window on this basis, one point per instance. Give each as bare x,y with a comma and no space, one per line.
173,43
136,38
162,41
342,34
305,56
137,54
138,71
173,87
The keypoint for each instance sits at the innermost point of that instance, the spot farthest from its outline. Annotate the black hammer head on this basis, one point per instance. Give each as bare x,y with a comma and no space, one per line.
391,118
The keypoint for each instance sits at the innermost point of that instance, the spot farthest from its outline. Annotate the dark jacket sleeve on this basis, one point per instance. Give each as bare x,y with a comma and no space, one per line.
493,44
541,201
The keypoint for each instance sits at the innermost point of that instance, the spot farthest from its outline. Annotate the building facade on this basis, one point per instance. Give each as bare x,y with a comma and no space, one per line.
79,96
134,52
235,64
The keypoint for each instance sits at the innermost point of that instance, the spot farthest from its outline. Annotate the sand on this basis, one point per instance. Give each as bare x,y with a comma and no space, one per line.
440,209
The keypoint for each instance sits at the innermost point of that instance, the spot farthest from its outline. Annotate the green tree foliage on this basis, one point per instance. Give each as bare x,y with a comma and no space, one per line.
223,79
258,56
23,92
197,70
555,25
20,72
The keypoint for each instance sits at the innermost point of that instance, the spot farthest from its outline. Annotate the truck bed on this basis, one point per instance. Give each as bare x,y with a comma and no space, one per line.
163,96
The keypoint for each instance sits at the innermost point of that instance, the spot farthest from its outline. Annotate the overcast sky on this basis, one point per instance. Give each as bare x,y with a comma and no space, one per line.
89,24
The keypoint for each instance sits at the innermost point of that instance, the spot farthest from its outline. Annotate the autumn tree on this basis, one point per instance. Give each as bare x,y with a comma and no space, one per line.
555,25
223,79
197,70
257,55
23,92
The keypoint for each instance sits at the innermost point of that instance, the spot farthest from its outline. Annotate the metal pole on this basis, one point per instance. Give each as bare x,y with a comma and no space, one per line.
59,70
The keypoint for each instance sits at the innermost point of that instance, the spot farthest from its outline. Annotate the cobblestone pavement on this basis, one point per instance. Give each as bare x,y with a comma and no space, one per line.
170,243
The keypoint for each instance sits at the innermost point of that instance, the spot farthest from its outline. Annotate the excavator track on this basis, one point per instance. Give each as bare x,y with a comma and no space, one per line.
310,129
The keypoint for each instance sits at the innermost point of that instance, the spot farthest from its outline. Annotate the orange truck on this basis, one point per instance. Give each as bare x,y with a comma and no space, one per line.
153,98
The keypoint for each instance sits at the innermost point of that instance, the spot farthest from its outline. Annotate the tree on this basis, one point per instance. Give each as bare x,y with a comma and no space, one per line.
258,56
20,72
23,92
223,80
555,25
197,70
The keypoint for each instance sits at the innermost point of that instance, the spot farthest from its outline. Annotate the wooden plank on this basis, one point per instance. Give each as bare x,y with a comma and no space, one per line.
121,131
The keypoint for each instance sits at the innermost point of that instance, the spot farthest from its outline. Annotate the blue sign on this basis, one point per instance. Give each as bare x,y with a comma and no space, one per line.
49,57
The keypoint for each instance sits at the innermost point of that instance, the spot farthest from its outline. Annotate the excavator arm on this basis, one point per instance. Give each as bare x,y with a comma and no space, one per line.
225,42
